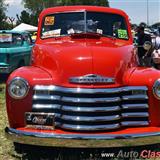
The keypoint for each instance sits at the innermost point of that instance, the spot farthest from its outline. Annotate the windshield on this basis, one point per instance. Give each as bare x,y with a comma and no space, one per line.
8,40
63,24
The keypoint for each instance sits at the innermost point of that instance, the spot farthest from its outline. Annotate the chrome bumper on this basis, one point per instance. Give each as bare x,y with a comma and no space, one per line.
81,140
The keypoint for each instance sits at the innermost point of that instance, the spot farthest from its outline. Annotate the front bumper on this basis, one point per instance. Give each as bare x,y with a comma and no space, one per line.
82,140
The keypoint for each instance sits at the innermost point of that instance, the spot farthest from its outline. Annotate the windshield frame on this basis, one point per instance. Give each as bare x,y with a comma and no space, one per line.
85,24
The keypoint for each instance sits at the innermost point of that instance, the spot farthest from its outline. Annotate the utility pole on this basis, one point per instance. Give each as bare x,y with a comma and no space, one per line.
147,12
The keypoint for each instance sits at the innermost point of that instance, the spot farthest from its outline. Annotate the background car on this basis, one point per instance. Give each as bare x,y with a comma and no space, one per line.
15,50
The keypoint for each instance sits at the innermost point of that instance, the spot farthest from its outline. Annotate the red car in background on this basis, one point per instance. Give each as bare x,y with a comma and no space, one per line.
85,87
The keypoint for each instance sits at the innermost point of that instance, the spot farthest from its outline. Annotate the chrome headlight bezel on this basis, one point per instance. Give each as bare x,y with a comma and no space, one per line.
155,89
22,82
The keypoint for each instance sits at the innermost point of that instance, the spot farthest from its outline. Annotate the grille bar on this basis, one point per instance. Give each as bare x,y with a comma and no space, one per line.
90,109
90,119
135,97
135,123
89,127
87,91
46,97
75,109
135,114
90,100
46,107
135,106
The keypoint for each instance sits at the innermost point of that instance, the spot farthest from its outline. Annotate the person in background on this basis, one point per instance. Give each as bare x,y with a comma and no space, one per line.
156,52
156,58
157,41
142,37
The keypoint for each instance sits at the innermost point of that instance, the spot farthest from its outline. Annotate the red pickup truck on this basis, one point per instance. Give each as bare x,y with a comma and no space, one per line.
85,86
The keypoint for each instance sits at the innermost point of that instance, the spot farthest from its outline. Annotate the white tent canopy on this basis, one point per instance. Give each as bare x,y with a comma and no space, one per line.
25,27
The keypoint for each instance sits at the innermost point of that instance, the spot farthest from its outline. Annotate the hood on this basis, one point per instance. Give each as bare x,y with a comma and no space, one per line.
80,57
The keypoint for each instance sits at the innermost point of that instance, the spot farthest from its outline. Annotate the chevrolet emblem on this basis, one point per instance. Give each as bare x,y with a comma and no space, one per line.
91,79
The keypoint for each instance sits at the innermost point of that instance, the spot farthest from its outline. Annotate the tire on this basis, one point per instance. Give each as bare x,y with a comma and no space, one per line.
19,148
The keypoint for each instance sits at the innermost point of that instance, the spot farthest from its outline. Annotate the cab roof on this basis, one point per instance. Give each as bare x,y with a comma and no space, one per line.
82,8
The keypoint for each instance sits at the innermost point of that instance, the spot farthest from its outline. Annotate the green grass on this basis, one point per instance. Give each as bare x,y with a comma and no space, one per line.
6,148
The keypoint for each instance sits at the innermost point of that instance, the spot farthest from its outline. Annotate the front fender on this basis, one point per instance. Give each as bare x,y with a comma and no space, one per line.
33,75
143,76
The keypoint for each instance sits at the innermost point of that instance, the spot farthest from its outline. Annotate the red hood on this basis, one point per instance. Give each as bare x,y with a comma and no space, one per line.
71,58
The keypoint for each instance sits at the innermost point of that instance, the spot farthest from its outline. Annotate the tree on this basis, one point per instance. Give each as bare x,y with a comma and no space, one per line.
35,7
11,20
85,2
25,17
2,14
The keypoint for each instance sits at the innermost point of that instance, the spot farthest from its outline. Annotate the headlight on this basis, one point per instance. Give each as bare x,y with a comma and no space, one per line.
156,89
18,88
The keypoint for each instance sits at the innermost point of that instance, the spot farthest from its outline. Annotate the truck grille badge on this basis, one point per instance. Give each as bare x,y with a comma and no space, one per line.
91,79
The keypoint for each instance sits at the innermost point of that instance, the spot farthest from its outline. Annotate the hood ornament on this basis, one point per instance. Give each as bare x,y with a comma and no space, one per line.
92,79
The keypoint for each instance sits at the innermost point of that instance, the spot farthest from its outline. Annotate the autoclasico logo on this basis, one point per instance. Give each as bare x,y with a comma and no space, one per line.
150,154
147,154
131,154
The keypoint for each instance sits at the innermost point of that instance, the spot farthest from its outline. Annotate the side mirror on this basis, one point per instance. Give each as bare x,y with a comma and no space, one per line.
147,45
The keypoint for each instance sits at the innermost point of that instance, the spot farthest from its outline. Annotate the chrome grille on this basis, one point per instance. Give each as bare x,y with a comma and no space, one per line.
80,109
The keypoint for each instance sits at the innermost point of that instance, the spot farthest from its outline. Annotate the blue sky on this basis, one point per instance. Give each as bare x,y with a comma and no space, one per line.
136,9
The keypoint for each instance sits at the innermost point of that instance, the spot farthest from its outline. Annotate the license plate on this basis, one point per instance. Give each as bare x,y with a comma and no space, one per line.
40,120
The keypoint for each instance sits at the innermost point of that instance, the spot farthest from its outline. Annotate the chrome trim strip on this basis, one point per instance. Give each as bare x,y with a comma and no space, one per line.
44,106
90,109
135,97
75,108
82,140
135,114
134,123
87,90
90,127
90,119
135,106
90,100
134,88
46,97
